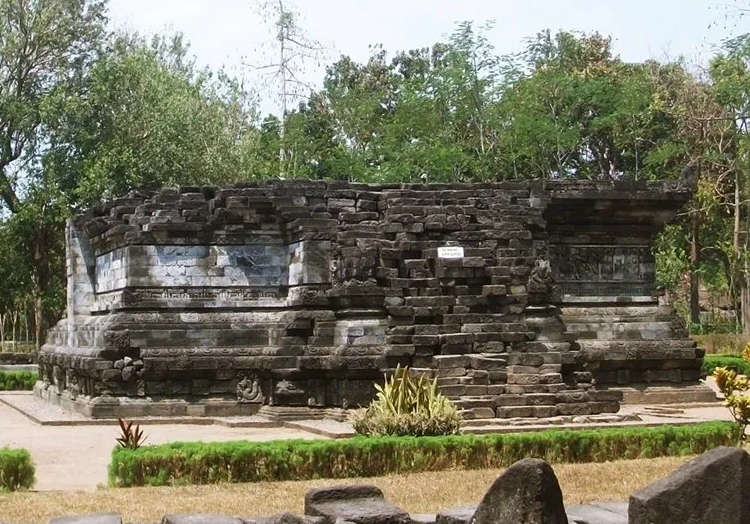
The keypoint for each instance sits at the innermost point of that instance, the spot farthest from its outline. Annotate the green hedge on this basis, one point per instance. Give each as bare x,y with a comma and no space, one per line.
711,362
16,469
18,380
202,463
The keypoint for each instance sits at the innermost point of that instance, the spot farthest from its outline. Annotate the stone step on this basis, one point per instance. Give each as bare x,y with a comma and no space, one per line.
615,301
625,330
613,350
616,311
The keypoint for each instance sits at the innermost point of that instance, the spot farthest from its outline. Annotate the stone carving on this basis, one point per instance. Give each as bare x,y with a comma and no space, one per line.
72,384
249,391
196,285
541,279
117,339
287,388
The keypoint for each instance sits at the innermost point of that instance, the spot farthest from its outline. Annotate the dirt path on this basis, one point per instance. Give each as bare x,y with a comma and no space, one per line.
76,457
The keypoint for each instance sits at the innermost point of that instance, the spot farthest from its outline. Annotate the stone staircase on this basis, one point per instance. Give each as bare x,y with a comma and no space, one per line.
539,378
634,345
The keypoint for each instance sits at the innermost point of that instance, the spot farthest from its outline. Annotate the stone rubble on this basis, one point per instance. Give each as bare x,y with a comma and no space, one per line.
713,488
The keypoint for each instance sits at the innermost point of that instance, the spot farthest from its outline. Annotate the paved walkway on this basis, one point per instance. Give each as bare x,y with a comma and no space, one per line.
77,457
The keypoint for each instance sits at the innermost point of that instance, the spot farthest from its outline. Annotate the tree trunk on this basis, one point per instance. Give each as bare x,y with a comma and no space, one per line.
695,255
13,328
39,281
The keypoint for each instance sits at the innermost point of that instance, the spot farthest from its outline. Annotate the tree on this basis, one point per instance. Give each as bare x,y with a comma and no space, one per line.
149,119
43,44
294,49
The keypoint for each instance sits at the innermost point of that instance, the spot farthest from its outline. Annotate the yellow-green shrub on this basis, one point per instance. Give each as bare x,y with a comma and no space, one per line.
407,405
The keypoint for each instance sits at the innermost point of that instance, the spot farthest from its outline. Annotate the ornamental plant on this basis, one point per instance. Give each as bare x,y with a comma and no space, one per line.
734,387
130,437
408,406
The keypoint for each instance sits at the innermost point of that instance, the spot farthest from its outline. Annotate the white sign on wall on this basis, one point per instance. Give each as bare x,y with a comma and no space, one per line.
451,252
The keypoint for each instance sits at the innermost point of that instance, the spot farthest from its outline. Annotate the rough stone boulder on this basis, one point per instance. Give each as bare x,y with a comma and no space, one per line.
526,493
357,504
713,488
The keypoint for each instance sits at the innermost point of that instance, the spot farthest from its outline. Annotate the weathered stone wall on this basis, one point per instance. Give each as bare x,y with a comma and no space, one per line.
212,301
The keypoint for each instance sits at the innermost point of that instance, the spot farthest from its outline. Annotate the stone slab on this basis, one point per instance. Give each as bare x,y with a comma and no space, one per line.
19,367
596,514
200,519
458,515
360,504
423,518
100,518
326,428
668,395
46,414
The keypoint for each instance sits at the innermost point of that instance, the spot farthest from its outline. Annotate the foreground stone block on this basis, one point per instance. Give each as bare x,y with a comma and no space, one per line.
599,513
358,504
526,493
200,519
284,518
459,515
713,488
100,518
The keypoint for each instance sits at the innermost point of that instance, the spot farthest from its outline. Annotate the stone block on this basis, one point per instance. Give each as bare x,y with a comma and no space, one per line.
357,503
100,518
200,519
526,493
596,514
712,488
459,515
515,412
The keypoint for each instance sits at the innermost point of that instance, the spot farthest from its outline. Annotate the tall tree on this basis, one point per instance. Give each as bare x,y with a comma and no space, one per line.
294,49
149,118
43,45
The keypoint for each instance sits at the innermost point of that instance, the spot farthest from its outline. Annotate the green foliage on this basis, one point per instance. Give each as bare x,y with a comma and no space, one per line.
150,119
16,469
407,405
735,362
17,380
204,463
130,437
734,387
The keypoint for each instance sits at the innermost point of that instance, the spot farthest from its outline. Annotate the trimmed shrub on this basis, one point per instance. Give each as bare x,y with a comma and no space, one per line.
203,463
407,406
16,469
711,362
18,380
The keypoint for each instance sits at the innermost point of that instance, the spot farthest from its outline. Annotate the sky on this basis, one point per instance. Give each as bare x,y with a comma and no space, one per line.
231,33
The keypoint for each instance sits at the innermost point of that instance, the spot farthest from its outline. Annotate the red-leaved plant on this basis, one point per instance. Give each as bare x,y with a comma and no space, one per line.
131,437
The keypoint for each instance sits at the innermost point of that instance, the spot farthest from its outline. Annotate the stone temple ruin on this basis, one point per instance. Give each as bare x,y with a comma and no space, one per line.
532,299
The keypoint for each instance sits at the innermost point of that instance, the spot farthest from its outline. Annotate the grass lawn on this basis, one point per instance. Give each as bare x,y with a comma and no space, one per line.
417,493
